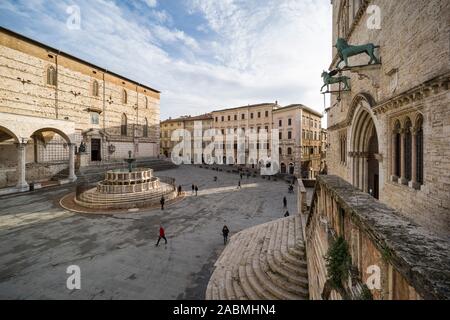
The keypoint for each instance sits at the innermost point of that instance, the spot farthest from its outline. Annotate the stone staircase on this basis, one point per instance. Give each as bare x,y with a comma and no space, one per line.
265,262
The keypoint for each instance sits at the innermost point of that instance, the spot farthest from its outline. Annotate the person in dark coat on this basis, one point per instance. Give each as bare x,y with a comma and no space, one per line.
225,232
193,189
284,202
179,190
239,184
162,235
286,214
196,190
162,201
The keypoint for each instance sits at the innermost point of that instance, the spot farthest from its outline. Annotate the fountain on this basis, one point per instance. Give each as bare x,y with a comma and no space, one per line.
127,188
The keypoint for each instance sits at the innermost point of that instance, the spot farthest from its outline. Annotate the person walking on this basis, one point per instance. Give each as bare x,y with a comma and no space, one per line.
162,201
286,214
225,232
179,190
193,189
162,235
239,184
284,202
196,190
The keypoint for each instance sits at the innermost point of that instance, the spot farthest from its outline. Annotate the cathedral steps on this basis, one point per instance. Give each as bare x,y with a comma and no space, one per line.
265,262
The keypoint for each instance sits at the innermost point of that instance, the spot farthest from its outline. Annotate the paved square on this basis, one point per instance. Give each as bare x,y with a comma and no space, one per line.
117,254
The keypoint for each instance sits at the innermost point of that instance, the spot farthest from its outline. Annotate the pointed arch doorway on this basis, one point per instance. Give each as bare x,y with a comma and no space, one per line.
365,150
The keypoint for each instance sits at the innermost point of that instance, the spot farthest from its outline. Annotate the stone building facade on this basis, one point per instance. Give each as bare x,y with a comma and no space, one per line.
188,123
56,110
389,139
299,134
300,140
247,118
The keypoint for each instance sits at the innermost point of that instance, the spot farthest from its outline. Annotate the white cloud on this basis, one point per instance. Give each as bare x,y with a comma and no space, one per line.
253,52
151,3
174,35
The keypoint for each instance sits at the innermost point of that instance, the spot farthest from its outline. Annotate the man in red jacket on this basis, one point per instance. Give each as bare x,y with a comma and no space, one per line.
162,235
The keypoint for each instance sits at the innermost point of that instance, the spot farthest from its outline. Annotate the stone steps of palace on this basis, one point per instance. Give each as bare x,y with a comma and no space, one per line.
265,262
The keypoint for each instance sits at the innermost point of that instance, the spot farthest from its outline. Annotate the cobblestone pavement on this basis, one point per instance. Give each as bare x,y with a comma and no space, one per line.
117,253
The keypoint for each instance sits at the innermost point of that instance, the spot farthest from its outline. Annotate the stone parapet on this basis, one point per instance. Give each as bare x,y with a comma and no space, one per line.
413,261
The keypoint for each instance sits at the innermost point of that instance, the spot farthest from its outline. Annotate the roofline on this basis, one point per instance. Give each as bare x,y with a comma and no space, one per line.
245,107
207,116
67,55
299,106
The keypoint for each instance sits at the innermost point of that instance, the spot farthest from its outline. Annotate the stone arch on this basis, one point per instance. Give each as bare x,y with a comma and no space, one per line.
356,102
9,132
55,130
418,120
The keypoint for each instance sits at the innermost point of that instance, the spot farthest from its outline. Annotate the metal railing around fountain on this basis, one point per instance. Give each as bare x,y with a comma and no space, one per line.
170,181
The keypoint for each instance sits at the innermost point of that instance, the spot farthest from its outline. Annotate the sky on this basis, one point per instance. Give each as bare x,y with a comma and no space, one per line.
203,55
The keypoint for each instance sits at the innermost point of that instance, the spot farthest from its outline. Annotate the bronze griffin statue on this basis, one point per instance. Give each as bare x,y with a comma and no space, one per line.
346,51
328,78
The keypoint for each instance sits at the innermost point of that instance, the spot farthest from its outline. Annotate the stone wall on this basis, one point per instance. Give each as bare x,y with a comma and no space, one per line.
411,262
67,107
412,79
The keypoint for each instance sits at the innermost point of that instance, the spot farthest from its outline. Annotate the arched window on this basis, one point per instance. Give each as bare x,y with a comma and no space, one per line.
124,125
291,168
289,151
146,128
408,150
419,150
397,150
95,88
124,96
51,76
280,151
